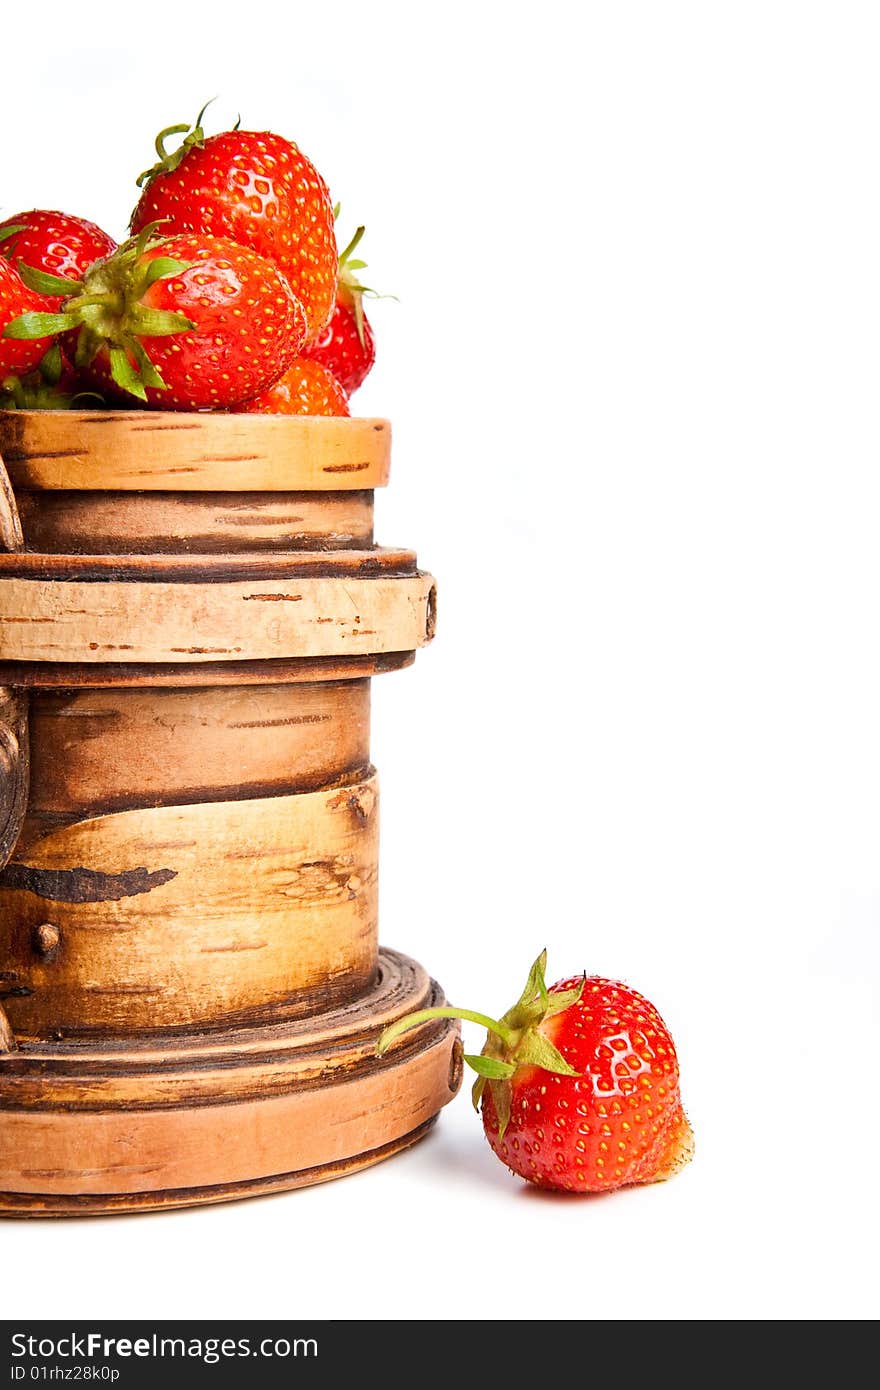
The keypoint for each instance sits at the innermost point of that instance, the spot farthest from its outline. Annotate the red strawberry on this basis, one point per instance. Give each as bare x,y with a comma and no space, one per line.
346,347
258,189
54,242
186,323
306,388
578,1085
18,354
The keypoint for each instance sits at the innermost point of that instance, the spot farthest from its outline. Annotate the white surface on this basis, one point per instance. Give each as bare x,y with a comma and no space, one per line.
633,379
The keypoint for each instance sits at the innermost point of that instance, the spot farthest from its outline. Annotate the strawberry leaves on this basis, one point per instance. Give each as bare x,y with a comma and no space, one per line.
107,308
38,325
42,282
491,1067
513,1042
169,160
531,1048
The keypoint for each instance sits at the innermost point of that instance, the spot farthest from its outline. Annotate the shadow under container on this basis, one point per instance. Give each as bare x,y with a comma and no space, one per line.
191,986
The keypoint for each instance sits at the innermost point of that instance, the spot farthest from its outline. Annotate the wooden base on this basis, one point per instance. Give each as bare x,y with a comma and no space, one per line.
15,1207
116,1126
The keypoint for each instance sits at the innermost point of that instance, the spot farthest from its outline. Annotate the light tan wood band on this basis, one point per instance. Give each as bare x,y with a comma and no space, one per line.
141,450
173,916
155,621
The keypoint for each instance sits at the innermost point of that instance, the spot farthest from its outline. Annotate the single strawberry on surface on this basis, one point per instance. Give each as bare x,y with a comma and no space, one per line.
306,388
189,322
257,189
578,1085
54,242
346,346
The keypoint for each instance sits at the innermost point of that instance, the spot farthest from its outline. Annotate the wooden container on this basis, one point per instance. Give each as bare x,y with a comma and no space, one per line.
191,610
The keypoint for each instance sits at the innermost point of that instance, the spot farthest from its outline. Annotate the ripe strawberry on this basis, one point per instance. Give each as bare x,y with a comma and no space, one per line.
18,355
185,323
259,190
578,1085
54,242
306,388
346,347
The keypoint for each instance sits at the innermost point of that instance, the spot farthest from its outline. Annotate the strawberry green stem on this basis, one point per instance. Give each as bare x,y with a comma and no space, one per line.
403,1025
169,160
166,134
345,255
521,1041
106,299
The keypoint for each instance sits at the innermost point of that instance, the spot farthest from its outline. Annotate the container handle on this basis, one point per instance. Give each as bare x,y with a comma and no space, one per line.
14,753
11,537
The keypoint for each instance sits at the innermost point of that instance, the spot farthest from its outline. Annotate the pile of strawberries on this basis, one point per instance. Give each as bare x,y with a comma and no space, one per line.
229,295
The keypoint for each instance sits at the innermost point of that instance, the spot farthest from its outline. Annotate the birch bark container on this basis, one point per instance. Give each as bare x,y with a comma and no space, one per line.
191,986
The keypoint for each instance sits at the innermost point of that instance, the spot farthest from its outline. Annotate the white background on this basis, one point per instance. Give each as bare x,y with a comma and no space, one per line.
633,380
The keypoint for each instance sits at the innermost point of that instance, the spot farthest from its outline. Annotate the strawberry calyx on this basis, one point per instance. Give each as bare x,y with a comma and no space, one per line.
46,388
31,392
169,160
107,308
513,1042
349,290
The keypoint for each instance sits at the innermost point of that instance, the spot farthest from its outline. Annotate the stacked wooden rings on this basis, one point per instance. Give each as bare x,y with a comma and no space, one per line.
191,609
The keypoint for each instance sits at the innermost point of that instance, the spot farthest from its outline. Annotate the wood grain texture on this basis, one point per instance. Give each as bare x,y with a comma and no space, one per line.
167,621
176,916
110,750
221,1144
11,537
14,767
25,1206
119,450
236,1062
7,1037
61,675
113,523
14,759
376,563
88,1126
190,983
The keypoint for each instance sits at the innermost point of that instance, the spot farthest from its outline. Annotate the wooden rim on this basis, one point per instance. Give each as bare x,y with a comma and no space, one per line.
374,563
124,1126
149,451
94,620
161,1072
61,675
19,1206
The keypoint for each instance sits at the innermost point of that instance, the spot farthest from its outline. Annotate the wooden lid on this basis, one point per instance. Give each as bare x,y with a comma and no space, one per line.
161,451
